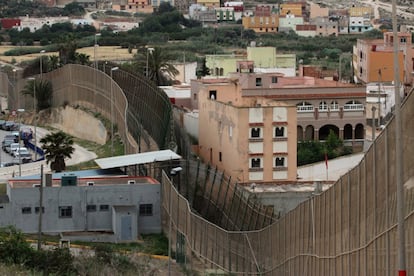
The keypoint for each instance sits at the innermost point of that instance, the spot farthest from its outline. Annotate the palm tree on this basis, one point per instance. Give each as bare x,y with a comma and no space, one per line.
160,68
43,90
82,58
53,62
57,146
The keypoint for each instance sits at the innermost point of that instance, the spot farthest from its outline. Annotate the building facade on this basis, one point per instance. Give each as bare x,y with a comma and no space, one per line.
123,206
251,138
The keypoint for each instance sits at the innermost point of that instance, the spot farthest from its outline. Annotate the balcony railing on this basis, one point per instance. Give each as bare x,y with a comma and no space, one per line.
352,107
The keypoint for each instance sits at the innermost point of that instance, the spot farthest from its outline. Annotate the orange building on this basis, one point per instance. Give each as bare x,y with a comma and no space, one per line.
374,60
262,24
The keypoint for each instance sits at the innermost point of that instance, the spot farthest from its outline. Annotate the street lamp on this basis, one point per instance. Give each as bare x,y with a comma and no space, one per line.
112,110
20,110
149,50
34,114
94,50
15,93
41,63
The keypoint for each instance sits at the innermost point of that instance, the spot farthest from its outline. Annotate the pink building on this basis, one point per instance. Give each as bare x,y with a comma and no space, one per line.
249,124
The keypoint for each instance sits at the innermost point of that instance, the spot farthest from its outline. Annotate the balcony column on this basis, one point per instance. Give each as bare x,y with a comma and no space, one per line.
316,135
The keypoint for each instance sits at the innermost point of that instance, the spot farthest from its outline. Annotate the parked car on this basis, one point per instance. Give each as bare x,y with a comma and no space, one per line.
9,125
12,147
11,136
23,157
21,151
6,143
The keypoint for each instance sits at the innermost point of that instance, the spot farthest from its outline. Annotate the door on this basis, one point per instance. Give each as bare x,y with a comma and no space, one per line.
126,228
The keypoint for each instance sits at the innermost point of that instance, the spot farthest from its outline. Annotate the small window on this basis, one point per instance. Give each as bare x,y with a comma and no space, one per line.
38,208
255,132
213,94
220,156
258,81
255,163
65,211
195,96
145,209
104,208
279,132
91,208
279,162
274,79
26,210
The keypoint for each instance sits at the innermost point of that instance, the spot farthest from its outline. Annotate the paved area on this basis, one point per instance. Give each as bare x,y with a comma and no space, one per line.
80,155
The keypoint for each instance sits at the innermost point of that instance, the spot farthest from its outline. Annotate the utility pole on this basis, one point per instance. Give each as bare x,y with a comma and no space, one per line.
398,151
39,233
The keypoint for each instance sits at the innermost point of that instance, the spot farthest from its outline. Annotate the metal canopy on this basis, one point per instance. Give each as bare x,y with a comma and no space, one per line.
136,159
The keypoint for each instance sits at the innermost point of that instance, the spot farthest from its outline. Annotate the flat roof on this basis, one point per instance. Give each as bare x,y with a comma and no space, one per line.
136,159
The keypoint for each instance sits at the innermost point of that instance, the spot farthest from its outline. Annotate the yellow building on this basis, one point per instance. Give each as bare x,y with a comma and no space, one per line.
360,11
209,3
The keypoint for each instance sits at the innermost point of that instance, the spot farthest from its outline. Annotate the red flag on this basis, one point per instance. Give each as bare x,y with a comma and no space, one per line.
326,160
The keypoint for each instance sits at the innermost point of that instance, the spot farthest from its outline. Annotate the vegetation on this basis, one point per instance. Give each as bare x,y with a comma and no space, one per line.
17,8
315,151
43,91
57,146
17,256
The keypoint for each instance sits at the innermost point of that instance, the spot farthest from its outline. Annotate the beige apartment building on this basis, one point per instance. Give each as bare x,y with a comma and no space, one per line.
250,123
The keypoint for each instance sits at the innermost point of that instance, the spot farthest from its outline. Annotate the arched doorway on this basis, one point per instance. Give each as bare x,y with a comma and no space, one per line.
324,131
359,131
309,133
348,132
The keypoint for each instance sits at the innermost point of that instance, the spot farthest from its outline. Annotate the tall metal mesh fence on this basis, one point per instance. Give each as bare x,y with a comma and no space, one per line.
350,229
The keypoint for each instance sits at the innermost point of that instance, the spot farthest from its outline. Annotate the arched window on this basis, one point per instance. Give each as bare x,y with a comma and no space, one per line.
279,131
255,163
353,106
304,107
323,106
255,132
279,161
334,105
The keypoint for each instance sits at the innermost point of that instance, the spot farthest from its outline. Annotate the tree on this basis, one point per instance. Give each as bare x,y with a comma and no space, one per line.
160,70
67,49
43,90
203,70
57,146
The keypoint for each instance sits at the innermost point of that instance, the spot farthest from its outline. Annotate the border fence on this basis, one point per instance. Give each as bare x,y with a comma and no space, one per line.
350,229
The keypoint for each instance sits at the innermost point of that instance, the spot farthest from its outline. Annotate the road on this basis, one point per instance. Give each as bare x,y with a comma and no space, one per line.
80,155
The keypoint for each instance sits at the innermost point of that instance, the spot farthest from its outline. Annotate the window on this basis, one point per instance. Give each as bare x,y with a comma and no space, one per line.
145,209
279,162
38,208
323,106
220,157
255,132
91,208
258,81
255,163
195,96
353,105
304,107
103,207
26,210
334,105
65,211
274,79
279,131
213,94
